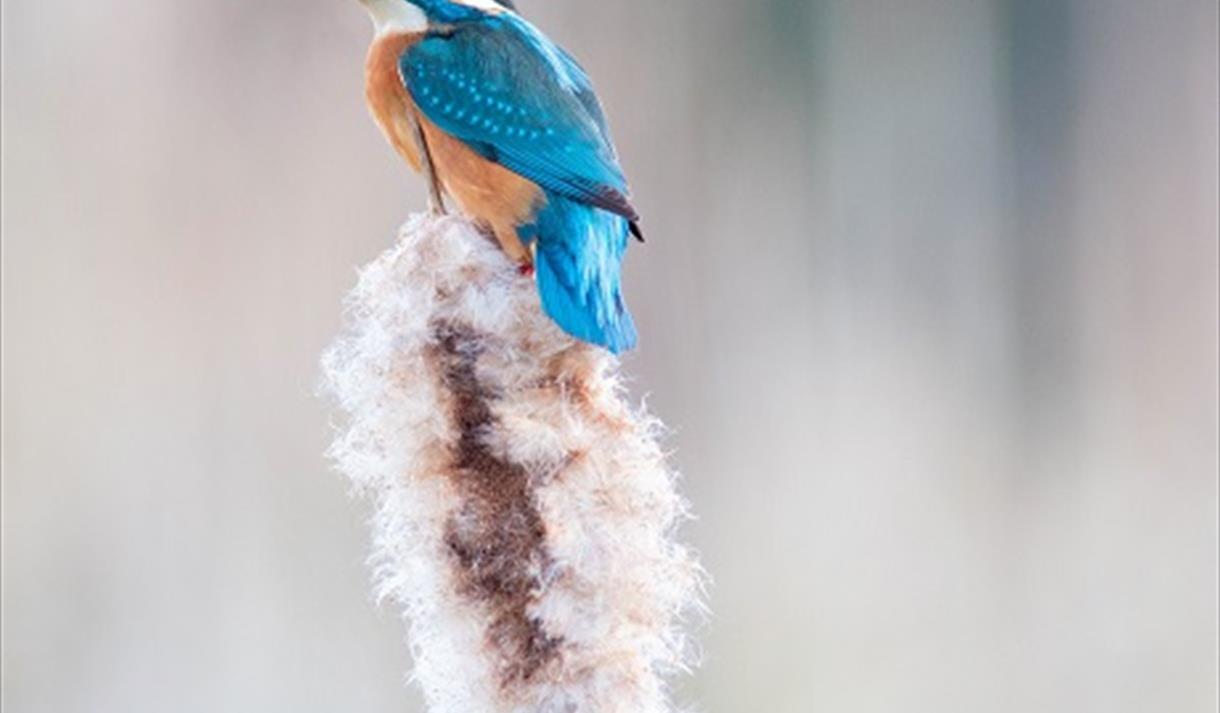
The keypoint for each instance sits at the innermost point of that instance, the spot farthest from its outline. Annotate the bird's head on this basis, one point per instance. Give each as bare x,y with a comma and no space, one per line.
416,15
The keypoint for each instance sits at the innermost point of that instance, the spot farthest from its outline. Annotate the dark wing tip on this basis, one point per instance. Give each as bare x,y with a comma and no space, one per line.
614,201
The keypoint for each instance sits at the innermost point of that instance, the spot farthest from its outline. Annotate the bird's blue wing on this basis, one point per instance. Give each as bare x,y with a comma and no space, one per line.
583,88
516,98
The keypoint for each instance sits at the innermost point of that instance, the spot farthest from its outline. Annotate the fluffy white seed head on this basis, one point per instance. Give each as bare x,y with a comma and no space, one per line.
525,514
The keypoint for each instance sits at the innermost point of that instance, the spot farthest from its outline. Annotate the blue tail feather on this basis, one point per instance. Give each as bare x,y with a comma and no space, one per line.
578,263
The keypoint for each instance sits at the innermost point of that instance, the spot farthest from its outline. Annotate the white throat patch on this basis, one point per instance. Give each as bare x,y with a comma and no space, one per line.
488,6
392,16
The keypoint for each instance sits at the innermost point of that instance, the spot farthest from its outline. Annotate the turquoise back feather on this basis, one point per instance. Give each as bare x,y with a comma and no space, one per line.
578,265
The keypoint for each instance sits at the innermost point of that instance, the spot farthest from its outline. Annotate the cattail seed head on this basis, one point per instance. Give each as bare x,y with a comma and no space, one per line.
524,512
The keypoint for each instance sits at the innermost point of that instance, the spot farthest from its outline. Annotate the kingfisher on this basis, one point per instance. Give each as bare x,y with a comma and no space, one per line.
505,122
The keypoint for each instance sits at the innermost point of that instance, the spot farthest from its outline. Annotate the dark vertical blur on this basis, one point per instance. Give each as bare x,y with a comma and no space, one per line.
1043,83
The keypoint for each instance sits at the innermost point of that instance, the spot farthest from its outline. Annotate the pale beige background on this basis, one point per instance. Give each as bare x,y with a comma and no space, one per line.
929,301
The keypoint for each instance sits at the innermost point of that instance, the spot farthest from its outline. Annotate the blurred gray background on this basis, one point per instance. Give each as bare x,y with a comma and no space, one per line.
929,301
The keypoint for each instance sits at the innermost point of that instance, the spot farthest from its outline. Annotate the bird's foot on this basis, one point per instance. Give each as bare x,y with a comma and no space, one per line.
525,269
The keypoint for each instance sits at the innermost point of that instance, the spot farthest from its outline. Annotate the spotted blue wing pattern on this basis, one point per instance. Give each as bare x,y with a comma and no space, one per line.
519,100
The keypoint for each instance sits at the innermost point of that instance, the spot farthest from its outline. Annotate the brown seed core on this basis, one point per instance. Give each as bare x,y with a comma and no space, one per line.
497,537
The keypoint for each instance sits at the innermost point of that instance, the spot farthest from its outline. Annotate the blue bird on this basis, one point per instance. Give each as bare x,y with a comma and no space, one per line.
505,122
